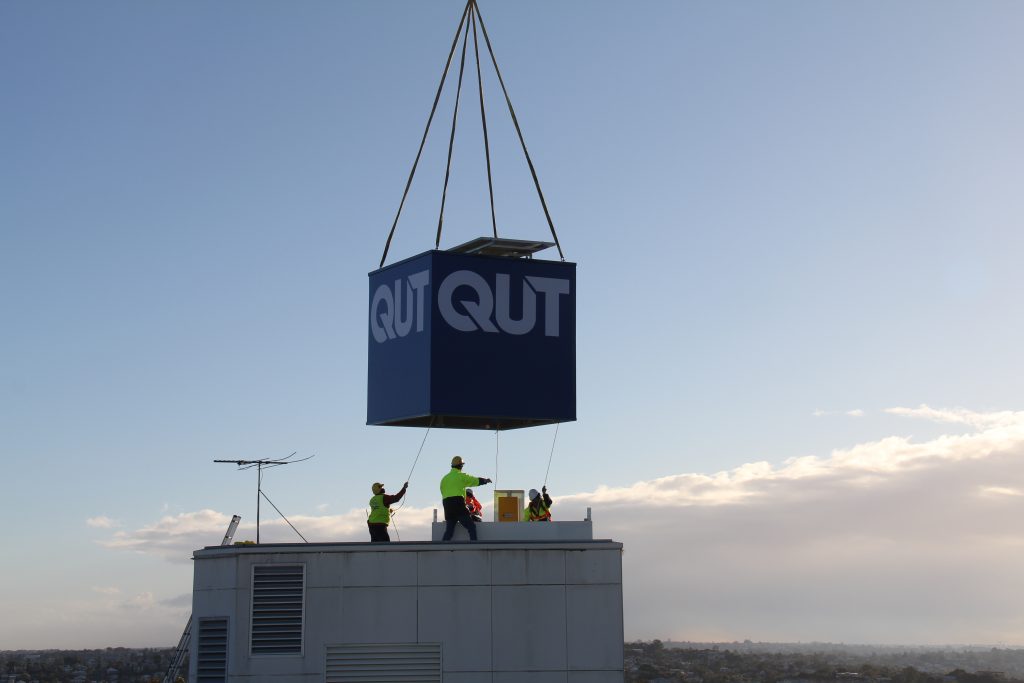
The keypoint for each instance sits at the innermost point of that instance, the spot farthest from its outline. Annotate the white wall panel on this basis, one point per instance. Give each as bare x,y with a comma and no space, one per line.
459,616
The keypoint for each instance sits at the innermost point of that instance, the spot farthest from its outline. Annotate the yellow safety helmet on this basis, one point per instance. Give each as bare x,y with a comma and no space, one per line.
456,461
377,488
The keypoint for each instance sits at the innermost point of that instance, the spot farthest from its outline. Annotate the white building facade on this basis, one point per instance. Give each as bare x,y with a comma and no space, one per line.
493,611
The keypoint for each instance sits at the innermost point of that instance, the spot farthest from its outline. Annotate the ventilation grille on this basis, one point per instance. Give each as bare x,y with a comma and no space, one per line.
212,652
277,599
406,662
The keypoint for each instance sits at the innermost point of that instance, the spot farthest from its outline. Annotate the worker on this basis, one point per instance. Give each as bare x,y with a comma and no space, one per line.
473,506
539,509
380,512
453,499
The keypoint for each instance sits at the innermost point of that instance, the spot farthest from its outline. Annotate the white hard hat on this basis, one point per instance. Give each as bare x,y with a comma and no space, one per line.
533,494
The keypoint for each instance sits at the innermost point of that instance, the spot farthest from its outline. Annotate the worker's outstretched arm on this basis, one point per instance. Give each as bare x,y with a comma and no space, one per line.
388,500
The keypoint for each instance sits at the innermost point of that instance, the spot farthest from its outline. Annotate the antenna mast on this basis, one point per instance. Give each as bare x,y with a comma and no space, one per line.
260,465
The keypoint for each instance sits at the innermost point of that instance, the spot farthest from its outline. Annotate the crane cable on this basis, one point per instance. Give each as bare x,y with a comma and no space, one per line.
472,11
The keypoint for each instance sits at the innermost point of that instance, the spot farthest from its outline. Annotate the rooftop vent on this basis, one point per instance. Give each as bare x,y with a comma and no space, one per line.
212,655
410,662
277,608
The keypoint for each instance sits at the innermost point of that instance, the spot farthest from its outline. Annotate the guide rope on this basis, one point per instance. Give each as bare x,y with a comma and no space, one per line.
411,469
472,11
548,470
496,432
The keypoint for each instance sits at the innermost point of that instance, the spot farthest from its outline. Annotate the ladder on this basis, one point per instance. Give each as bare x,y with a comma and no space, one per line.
181,651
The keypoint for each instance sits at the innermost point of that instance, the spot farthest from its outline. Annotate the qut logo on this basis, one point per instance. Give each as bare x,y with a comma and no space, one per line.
486,310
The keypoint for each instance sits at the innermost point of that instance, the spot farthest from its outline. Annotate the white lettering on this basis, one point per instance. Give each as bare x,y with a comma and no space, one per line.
396,310
387,320
478,312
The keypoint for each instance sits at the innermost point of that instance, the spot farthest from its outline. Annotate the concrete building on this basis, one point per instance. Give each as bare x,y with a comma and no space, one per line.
526,602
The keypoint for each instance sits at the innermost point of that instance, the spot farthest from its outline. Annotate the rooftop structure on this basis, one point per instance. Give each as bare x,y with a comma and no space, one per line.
459,612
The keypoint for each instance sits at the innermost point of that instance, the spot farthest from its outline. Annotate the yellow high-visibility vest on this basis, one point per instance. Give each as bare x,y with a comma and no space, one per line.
530,516
455,482
379,512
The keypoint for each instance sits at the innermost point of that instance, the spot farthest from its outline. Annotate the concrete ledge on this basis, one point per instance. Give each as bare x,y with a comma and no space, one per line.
295,552
520,531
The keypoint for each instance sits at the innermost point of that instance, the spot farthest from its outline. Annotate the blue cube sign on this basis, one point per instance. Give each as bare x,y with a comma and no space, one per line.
472,342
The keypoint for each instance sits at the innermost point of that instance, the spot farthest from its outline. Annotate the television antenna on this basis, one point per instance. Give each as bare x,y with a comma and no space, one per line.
260,465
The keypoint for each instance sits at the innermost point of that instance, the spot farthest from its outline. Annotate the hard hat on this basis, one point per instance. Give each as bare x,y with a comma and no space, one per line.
469,492
533,494
456,461
377,488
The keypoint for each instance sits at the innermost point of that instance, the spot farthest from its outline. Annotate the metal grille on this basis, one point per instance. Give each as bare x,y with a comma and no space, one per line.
277,609
391,663
212,651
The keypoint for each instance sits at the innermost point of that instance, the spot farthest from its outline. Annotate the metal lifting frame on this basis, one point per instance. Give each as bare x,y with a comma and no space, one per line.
472,13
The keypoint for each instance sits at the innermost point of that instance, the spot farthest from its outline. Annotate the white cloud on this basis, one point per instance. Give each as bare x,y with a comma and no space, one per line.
856,412
890,540
996,491
1006,418
142,602
174,537
101,522
322,507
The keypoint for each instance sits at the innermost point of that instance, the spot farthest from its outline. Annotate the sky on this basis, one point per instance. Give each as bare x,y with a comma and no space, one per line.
798,233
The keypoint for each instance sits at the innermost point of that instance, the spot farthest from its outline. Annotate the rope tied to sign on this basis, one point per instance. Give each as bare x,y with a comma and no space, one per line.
552,455
472,12
408,478
413,468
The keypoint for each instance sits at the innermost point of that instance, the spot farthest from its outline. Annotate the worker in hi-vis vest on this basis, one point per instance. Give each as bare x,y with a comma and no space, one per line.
380,512
453,499
539,509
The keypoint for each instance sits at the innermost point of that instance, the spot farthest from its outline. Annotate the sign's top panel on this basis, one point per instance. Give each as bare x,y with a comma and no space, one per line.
499,246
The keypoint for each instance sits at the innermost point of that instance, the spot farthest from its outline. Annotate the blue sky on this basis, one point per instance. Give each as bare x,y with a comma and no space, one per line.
781,212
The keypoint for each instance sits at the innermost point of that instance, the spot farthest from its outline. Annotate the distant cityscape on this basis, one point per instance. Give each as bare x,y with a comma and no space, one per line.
649,661
749,662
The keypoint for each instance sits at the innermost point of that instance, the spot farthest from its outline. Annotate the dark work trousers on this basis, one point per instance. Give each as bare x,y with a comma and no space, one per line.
378,532
455,512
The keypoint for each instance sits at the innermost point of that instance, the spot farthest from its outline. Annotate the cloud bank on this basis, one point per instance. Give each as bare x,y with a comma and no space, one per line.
890,541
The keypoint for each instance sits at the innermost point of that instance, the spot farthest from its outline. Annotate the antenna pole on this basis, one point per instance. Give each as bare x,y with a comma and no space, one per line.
259,465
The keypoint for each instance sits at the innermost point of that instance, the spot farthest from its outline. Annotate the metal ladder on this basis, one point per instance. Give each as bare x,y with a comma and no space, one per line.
186,636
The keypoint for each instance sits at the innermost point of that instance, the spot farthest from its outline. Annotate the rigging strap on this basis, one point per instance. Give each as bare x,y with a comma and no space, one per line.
472,11
433,109
519,132
451,140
